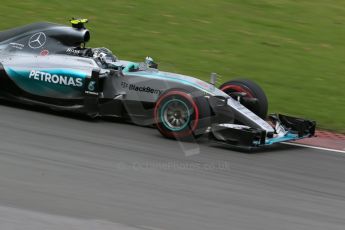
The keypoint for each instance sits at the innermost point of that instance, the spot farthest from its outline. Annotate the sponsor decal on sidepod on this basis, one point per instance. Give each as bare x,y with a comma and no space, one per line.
55,79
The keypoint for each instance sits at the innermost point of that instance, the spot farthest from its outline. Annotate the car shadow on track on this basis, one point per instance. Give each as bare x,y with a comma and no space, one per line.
262,150
59,113
204,141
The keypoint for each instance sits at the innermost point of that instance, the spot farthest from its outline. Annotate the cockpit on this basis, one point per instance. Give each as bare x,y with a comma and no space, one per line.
103,57
107,60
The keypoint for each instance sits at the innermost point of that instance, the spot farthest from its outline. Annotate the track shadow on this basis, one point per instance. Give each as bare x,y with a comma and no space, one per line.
67,114
42,109
202,141
261,150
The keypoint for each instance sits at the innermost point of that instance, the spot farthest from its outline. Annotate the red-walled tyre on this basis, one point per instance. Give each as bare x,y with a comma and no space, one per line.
179,116
252,90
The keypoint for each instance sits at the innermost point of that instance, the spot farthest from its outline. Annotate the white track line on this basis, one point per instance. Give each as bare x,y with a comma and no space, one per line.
314,147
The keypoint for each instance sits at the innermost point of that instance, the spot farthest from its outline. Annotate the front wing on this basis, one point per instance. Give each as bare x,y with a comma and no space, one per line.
286,128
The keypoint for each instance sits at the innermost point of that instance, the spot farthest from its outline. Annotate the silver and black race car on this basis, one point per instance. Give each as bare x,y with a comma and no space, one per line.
49,65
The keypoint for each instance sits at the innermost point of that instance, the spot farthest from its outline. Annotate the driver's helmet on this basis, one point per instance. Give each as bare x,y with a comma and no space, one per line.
103,55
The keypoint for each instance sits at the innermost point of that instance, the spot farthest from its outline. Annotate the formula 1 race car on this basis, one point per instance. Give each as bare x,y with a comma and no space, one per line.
49,65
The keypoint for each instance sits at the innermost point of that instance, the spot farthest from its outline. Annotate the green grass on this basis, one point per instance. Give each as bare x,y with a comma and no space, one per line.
295,49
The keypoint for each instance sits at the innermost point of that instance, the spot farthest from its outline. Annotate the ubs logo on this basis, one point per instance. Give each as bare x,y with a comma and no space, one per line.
37,40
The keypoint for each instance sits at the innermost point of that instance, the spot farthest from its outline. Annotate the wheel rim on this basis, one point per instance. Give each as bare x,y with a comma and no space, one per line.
175,115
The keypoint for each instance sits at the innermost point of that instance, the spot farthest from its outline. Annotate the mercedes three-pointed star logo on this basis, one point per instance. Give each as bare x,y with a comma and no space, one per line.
37,40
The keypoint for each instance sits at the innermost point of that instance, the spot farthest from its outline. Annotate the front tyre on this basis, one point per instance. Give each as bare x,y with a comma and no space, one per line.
252,91
178,115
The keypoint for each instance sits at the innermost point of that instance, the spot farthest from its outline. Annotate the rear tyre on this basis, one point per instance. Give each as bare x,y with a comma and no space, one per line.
178,115
252,90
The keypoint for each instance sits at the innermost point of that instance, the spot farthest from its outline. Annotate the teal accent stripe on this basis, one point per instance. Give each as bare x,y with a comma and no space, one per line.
43,88
287,137
65,72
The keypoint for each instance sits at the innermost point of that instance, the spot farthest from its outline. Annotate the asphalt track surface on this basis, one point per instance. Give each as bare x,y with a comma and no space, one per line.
61,172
